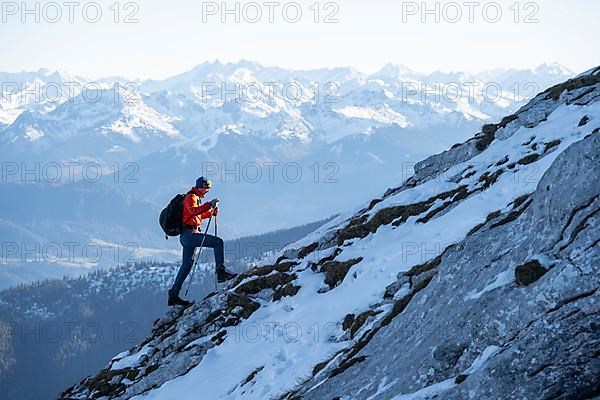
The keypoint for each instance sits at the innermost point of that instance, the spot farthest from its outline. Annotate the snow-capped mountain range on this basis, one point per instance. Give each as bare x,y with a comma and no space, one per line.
42,110
476,277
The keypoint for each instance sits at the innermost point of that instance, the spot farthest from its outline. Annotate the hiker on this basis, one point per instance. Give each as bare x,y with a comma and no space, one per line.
191,237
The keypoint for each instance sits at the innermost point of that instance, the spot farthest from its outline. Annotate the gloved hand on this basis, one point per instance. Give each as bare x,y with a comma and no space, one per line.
215,211
214,203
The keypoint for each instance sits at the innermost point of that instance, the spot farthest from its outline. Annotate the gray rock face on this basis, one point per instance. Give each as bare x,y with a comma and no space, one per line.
545,336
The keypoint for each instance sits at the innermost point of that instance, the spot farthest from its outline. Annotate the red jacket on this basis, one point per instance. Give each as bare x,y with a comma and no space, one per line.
193,211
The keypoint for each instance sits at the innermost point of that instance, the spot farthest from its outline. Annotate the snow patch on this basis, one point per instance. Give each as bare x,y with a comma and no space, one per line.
130,361
382,114
504,278
33,134
428,392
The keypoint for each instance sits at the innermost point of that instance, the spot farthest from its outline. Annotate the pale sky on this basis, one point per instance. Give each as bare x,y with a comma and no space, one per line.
171,37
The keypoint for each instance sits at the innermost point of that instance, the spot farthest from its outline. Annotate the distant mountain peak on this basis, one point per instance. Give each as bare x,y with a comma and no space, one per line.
394,71
553,68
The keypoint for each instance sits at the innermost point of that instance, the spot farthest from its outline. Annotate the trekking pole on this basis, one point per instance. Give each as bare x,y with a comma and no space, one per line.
216,219
216,223
198,257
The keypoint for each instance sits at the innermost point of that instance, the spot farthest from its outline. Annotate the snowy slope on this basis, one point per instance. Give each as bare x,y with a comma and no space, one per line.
414,293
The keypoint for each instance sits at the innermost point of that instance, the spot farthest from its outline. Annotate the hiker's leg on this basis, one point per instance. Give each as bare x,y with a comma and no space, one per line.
189,241
216,243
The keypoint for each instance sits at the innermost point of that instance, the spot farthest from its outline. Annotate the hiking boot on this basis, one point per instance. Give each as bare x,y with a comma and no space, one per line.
223,275
175,300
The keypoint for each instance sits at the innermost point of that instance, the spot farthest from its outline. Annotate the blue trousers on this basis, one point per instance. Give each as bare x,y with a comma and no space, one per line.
190,240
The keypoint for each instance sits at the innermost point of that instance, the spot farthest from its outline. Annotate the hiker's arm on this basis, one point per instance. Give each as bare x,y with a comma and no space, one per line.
195,208
202,210
206,214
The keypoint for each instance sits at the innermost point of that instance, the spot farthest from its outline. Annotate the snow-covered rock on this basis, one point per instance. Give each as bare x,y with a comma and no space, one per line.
476,278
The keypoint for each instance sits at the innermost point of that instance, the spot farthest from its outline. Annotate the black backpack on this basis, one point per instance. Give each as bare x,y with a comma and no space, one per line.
170,217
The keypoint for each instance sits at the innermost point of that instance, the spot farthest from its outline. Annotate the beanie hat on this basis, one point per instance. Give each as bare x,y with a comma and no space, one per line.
203,183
